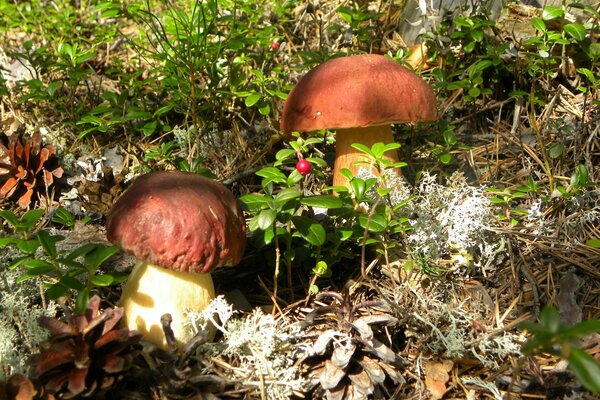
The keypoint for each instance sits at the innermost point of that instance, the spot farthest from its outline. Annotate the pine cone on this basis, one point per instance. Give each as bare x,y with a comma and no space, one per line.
86,354
27,169
348,361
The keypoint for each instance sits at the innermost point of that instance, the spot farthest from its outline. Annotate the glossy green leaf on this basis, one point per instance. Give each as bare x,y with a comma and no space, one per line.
312,231
101,280
252,99
552,12
254,202
287,194
377,223
538,24
323,201
576,31
445,158
266,219
83,298
48,242
94,259
7,240
35,271
10,217
28,246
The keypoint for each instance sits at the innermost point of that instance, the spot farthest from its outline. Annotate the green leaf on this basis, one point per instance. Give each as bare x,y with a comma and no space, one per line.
538,24
287,194
323,201
17,262
284,154
83,298
377,223
312,231
149,128
102,253
28,246
477,35
582,329
266,218
251,100
71,283
450,137
588,74
550,319
4,241
445,158
56,290
474,91
321,269
10,217
117,277
595,243
576,31
35,262
264,108
552,12
271,174
101,280
361,147
48,242
35,271
31,218
556,150
254,202
585,368
81,251
64,217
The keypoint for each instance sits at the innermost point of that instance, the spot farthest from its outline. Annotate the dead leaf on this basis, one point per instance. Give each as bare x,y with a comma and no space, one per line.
436,377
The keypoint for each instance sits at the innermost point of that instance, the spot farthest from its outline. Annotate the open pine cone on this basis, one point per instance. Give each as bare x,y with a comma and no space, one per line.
86,354
27,169
348,361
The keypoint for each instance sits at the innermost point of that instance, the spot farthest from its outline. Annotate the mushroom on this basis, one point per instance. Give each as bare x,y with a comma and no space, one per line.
180,226
359,96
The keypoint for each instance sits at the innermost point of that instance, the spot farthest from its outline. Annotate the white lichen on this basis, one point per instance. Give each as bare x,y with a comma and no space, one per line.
261,344
451,218
20,333
457,329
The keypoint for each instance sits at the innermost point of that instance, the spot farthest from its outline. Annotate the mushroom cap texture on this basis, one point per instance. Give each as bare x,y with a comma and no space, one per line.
357,91
179,220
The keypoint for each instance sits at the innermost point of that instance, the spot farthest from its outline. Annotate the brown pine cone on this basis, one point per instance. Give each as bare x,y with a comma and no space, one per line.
86,354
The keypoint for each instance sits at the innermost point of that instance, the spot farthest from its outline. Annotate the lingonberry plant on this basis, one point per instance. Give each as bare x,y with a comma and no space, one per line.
38,253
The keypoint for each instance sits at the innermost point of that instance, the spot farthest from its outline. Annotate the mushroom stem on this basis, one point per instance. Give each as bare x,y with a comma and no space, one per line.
346,156
152,291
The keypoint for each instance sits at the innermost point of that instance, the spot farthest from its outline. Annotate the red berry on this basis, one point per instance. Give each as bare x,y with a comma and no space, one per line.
274,46
303,167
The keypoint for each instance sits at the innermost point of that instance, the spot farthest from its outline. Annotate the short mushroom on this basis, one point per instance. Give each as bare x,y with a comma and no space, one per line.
359,96
180,226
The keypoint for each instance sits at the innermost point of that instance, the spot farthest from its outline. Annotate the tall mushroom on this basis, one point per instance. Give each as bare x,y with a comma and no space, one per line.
180,226
359,96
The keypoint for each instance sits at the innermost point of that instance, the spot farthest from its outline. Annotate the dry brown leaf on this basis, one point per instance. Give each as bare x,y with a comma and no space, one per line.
436,377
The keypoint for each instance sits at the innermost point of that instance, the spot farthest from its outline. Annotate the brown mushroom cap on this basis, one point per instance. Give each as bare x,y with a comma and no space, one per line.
177,220
357,91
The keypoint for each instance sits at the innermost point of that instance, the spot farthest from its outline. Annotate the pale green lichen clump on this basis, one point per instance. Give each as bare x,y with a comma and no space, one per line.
262,345
20,333
452,218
